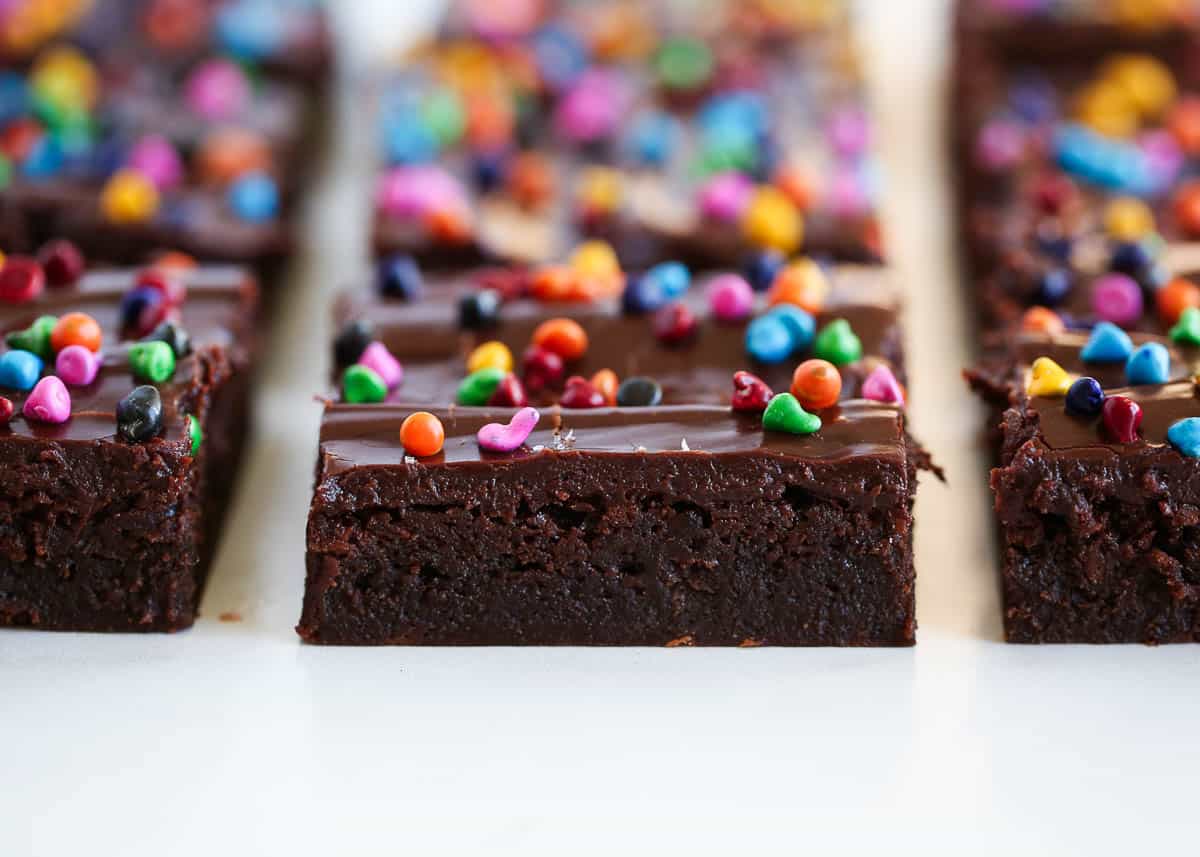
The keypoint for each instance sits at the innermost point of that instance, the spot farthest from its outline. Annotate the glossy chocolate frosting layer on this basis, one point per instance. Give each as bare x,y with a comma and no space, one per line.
369,435
215,315
1162,406
425,336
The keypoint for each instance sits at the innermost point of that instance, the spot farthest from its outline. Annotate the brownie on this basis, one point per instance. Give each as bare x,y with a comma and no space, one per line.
680,521
1098,537
203,154
684,525
101,533
1043,146
702,139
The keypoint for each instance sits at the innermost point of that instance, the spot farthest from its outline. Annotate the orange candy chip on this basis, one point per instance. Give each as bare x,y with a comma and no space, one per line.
1039,319
530,180
801,283
422,434
1186,208
76,328
562,336
606,383
231,152
1176,296
817,384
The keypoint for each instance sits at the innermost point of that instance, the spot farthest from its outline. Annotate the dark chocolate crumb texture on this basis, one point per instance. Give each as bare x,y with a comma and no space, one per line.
670,134
124,407
665,492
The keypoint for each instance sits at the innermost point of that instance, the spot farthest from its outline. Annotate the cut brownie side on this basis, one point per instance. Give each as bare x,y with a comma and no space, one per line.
1099,538
100,533
622,527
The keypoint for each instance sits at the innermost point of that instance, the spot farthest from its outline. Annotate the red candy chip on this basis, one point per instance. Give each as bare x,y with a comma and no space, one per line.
509,284
674,324
1122,418
510,393
6,410
750,393
1053,192
541,369
580,394
167,282
63,263
21,279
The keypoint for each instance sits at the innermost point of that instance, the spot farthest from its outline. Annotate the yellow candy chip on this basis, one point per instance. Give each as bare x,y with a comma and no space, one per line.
1048,379
595,259
772,221
1128,219
600,190
1148,84
1107,108
129,197
490,355
66,78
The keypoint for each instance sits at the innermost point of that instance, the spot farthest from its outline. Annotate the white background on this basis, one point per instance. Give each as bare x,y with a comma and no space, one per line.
234,738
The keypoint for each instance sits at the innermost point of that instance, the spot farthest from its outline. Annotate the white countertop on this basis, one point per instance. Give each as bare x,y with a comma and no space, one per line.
233,738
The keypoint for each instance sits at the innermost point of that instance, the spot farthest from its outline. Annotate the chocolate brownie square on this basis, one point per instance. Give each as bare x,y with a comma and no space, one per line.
107,521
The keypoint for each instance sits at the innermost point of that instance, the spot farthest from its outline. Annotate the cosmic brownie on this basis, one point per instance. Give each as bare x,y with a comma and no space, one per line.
621,514
686,338
1097,508
124,403
1053,161
683,525
699,138
121,155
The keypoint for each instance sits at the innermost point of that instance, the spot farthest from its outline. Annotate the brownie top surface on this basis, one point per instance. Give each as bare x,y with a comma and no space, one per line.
620,145
215,314
368,435
1162,406
426,336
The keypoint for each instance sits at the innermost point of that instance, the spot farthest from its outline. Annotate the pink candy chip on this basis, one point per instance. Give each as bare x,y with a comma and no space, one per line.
218,89
730,298
77,365
498,437
413,192
49,402
594,106
725,196
157,159
1117,298
377,357
881,386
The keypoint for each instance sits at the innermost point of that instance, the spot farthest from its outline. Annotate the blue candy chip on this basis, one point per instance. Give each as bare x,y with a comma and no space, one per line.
769,339
251,29
45,159
561,57
673,279
254,197
1107,344
652,138
20,370
14,97
1185,436
406,139
642,294
801,325
1149,364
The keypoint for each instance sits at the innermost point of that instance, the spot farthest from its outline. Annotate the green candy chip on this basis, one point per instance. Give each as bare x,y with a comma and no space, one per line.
478,387
838,343
361,385
152,361
196,433
35,338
